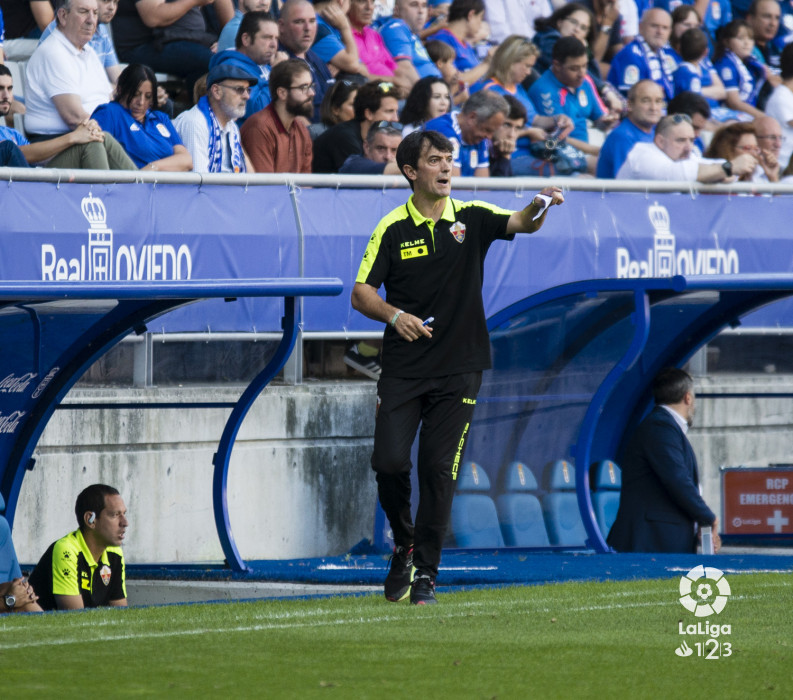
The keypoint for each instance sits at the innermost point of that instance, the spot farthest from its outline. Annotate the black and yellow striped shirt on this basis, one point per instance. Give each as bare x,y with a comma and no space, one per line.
435,269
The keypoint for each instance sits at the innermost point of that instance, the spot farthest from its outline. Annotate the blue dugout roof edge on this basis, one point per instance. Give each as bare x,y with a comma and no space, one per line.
52,333
624,396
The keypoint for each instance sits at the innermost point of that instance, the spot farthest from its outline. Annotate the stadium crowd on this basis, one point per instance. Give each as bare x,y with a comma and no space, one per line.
521,87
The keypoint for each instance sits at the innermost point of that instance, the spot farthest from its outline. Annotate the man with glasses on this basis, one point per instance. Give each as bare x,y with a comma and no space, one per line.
374,102
646,103
209,130
671,156
274,138
298,29
256,51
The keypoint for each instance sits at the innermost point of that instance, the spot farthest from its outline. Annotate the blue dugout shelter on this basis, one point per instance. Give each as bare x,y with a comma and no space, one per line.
50,335
573,368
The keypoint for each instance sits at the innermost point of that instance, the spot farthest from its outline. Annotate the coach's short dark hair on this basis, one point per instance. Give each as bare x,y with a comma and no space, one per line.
4,70
92,498
671,385
412,147
568,47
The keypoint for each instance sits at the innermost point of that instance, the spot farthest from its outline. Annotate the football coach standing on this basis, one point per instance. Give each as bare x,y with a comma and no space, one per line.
429,254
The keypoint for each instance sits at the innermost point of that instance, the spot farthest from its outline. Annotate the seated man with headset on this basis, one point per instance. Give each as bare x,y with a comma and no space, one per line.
85,569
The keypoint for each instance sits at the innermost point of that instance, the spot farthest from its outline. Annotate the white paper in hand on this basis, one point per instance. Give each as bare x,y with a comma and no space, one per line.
546,202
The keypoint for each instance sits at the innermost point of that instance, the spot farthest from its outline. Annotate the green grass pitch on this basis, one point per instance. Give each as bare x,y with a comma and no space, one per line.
568,640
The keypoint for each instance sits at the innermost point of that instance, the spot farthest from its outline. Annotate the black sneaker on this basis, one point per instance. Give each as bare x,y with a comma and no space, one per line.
370,366
397,583
422,592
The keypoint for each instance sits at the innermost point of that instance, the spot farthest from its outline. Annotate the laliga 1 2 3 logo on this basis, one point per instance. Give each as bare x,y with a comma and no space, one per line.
704,591
704,597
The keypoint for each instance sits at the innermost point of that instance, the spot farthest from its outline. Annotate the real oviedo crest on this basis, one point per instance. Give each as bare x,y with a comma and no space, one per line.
458,231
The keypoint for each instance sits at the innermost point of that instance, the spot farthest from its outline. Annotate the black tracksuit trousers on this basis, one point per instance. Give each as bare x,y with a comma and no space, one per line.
444,407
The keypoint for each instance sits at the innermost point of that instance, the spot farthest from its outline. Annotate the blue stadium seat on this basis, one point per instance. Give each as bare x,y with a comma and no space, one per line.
606,481
560,506
519,510
474,518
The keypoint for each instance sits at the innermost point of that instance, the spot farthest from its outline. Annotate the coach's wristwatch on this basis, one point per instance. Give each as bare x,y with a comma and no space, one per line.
10,602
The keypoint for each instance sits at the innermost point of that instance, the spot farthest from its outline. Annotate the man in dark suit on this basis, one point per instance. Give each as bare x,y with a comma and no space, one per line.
660,504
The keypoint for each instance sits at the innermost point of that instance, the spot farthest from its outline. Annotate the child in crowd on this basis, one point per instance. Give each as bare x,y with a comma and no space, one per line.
742,74
697,74
443,56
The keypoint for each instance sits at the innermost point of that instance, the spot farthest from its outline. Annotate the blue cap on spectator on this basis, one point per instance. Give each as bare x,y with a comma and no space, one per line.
230,71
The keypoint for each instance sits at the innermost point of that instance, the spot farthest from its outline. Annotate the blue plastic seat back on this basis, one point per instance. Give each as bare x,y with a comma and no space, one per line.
605,504
606,475
2,504
519,478
559,476
560,506
472,477
474,519
521,520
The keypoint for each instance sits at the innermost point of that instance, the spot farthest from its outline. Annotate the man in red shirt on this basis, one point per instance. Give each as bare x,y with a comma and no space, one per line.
275,138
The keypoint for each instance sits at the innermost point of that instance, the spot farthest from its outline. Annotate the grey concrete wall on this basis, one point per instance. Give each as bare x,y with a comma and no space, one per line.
741,432
300,484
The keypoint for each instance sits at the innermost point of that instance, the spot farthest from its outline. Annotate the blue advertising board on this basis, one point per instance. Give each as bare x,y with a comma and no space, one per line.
154,232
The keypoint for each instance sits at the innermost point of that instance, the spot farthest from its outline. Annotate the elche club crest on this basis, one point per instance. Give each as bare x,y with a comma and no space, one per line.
105,573
458,231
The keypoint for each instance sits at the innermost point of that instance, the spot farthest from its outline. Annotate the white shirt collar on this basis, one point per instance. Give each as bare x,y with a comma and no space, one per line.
678,418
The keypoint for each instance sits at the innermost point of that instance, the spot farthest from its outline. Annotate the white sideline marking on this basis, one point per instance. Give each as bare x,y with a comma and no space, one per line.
519,607
354,619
